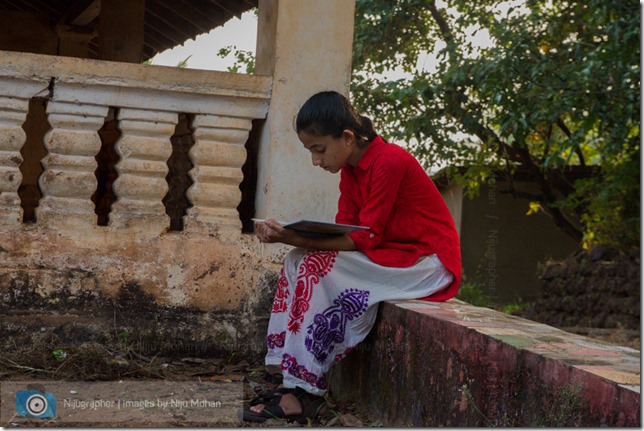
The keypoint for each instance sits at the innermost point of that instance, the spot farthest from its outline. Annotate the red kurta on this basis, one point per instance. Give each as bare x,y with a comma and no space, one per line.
391,193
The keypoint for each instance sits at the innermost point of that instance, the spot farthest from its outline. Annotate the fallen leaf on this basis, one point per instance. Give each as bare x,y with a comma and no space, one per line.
348,420
332,422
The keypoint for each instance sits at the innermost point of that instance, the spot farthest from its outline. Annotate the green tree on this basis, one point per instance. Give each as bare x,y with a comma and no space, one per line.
244,60
555,95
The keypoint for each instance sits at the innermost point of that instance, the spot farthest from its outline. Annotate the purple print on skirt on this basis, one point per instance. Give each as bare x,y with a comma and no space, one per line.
328,327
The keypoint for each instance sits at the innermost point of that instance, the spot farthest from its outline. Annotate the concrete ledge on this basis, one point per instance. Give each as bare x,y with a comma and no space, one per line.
452,364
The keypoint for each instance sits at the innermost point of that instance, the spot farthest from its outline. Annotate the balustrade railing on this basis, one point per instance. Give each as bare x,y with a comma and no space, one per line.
148,101
15,94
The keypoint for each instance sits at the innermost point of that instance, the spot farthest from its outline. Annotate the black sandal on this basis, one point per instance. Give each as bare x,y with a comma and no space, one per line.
266,396
312,406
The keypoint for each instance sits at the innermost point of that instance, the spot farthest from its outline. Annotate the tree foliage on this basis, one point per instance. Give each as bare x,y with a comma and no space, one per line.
244,60
555,95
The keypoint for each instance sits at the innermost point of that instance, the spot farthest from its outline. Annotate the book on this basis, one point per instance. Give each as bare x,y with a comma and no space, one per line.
314,228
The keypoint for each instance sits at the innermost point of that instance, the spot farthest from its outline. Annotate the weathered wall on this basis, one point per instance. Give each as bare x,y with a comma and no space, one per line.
108,187
451,364
186,298
186,269
504,245
63,113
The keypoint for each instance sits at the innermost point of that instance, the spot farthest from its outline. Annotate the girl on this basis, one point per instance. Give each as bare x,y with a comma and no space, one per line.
327,294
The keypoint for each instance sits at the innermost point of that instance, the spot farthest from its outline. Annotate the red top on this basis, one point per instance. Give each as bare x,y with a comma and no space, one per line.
391,193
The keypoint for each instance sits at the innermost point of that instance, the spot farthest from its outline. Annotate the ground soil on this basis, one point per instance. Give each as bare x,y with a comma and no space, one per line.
95,363
594,293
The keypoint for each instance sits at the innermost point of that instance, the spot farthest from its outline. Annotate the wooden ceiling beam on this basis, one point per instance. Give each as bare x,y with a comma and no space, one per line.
225,9
189,13
154,43
45,7
82,12
162,39
161,24
22,7
176,16
173,21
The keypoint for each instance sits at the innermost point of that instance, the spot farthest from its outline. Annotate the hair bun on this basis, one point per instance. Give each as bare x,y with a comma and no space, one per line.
368,132
366,122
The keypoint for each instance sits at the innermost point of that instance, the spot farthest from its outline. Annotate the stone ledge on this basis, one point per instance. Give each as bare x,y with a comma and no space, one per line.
453,364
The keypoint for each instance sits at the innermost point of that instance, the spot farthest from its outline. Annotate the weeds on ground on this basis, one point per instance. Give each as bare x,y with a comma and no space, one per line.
47,357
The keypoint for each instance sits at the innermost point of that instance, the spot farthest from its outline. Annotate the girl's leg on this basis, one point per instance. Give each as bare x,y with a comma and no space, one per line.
284,294
426,277
326,303
334,306
299,274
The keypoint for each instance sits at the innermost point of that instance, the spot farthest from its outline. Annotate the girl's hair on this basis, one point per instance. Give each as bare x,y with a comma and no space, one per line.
330,113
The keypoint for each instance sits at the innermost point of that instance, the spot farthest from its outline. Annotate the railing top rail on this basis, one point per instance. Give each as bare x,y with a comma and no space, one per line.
97,72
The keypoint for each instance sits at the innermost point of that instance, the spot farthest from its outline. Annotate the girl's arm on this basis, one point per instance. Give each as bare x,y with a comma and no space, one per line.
270,231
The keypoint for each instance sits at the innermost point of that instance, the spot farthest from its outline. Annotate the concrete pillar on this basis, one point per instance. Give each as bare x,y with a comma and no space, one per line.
306,46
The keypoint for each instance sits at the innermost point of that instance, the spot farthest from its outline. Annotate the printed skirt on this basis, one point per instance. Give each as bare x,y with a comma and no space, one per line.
326,303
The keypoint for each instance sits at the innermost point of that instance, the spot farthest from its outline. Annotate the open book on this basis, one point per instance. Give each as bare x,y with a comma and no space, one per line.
313,228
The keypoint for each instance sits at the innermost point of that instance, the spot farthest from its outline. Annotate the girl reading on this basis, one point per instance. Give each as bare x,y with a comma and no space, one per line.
329,288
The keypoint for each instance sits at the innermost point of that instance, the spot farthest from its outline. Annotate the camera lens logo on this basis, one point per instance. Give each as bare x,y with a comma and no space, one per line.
37,404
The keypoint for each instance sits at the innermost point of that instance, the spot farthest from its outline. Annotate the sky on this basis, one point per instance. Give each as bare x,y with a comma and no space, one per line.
240,33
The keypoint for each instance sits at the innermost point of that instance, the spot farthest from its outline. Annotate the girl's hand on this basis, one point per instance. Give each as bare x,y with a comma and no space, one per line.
270,231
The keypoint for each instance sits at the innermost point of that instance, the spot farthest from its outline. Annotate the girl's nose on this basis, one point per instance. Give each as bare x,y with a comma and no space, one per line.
315,159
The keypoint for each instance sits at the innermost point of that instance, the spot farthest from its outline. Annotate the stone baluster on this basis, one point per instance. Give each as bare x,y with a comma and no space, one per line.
14,105
69,181
144,148
13,113
217,155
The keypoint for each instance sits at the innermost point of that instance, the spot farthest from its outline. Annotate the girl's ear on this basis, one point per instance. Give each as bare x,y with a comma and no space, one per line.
349,137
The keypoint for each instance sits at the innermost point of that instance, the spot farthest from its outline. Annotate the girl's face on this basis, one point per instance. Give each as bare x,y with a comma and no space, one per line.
331,153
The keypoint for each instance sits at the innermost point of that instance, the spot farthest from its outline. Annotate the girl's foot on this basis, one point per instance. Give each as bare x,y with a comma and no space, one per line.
288,403
295,404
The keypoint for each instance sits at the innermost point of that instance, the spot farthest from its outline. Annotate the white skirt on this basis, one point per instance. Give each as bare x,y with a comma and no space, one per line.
326,303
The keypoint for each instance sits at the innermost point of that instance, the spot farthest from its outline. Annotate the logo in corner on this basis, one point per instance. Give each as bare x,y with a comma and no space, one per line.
36,402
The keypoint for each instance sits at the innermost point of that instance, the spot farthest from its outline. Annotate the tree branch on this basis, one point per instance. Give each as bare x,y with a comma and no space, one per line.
442,24
568,133
489,137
